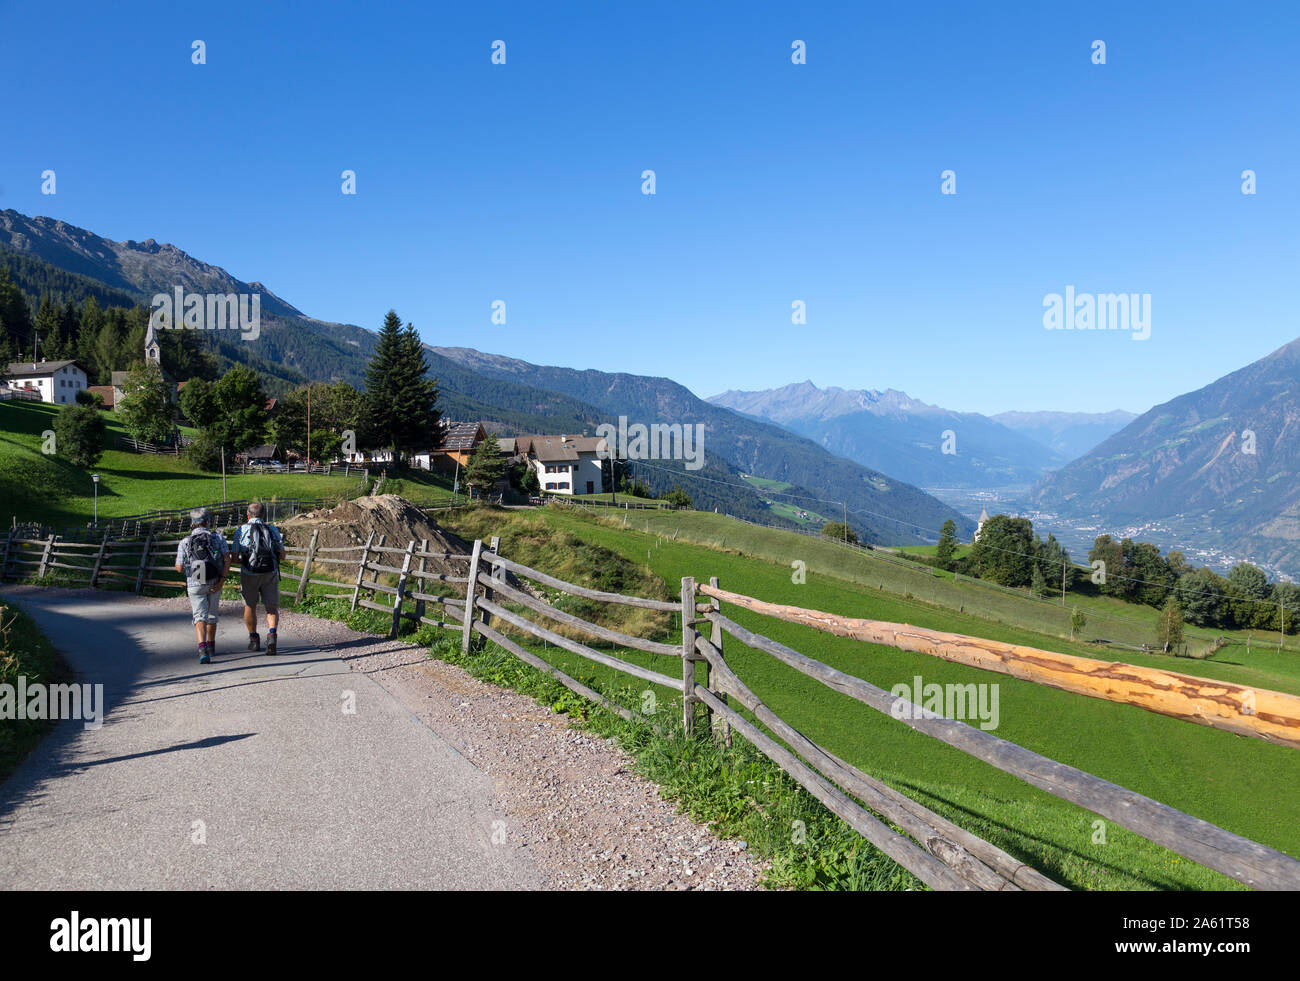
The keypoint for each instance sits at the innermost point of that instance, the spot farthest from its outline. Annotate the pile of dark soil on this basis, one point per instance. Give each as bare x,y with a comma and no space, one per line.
351,523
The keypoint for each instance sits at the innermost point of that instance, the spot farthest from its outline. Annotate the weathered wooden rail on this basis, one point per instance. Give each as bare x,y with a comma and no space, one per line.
493,600
1268,715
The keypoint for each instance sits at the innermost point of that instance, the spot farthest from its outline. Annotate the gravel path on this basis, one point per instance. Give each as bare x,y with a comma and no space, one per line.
439,781
573,799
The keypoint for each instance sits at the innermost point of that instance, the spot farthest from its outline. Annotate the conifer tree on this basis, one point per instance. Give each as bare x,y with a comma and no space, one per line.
486,466
947,547
401,400
47,329
15,317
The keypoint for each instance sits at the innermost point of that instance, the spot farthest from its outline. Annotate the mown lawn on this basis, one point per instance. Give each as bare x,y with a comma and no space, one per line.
48,489
424,488
1108,619
1238,783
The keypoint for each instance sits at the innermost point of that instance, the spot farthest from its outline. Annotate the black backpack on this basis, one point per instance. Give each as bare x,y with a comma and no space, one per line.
261,554
202,550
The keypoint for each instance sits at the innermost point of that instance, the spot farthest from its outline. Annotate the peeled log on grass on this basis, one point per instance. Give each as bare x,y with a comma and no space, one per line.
1259,712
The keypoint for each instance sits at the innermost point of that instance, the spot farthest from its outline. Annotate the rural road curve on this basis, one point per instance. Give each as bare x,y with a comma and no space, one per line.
292,792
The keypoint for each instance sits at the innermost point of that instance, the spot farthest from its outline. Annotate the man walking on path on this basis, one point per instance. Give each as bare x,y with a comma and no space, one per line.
204,559
261,550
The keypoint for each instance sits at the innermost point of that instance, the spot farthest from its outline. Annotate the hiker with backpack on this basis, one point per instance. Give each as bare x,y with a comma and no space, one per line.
204,559
261,550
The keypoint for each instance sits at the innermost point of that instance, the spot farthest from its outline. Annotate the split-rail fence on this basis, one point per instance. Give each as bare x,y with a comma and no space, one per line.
491,600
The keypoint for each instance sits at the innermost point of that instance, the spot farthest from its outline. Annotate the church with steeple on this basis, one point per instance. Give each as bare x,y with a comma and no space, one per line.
152,355
152,351
984,516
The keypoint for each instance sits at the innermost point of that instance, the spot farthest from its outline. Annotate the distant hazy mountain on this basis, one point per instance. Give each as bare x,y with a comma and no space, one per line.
888,509
895,433
1071,434
1215,470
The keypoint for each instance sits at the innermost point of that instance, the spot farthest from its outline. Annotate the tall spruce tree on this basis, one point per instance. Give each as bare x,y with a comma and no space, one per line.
946,550
46,327
402,401
486,466
15,317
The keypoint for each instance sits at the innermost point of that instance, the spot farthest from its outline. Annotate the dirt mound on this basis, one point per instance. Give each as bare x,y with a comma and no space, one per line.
351,522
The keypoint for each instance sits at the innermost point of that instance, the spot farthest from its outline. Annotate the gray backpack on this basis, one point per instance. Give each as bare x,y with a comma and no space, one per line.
261,550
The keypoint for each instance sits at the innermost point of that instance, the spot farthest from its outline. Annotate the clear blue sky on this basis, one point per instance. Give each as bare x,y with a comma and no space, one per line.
776,182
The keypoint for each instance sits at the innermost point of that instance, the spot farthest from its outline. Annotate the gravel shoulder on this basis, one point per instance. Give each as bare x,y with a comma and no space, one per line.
573,800
439,781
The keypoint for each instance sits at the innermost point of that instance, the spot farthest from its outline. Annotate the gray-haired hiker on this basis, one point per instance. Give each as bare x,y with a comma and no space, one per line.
204,559
261,550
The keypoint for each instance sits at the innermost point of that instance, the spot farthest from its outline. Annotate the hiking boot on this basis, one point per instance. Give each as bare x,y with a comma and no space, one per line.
270,645
205,656
254,642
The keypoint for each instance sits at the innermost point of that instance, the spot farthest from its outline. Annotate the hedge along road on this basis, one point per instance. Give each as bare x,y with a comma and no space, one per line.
244,774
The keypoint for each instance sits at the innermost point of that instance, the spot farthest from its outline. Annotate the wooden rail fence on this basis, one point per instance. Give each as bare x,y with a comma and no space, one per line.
492,598
224,514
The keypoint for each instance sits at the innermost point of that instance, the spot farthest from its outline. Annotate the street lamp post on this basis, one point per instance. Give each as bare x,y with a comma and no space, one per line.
95,479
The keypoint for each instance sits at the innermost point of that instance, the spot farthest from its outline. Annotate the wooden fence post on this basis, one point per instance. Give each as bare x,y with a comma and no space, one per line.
99,559
469,596
497,572
379,557
361,568
144,563
720,725
688,655
306,567
420,580
45,556
401,590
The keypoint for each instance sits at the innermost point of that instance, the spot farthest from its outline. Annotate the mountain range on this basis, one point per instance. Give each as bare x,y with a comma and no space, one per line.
1070,434
926,444
510,395
1215,472
889,508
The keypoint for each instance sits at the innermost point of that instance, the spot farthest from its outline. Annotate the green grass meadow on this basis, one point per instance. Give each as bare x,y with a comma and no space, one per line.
1238,783
47,489
1244,785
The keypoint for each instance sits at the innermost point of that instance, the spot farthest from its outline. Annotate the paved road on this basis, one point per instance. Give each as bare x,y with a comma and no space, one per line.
291,791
